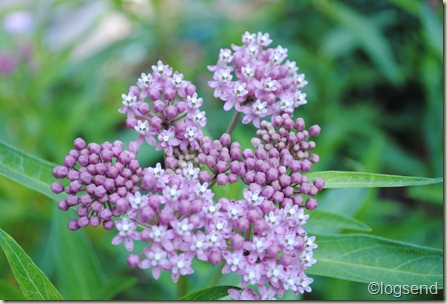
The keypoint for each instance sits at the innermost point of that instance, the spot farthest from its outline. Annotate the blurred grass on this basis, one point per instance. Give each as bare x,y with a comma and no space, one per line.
375,87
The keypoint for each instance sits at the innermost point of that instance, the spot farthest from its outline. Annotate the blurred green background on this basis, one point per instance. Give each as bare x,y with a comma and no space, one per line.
375,87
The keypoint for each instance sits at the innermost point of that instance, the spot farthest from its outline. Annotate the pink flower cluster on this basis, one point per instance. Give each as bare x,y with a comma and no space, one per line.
173,116
263,85
171,207
175,222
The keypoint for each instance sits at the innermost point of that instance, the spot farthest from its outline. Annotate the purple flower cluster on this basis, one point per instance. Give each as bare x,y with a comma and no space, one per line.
176,220
99,179
171,207
165,110
263,85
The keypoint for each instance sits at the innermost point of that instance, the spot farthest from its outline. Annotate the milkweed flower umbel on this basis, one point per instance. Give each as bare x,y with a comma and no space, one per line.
256,80
173,207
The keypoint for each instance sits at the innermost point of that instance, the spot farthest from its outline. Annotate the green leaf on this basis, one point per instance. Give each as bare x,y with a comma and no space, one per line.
76,262
431,193
319,221
370,37
366,259
23,168
208,294
32,281
114,286
10,292
345,179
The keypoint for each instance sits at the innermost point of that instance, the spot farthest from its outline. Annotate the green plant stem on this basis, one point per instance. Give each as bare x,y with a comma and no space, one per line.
182,286
233,122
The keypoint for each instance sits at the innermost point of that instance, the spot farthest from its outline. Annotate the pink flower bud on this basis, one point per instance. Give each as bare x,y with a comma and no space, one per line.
311,203
225,139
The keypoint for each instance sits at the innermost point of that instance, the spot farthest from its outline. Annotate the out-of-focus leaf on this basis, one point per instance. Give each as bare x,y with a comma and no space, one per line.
208,294
432,29
28,170
77,269
411,6
32,281
345,179
114,286
338,42
319,221
401,161
369,36
430,193
9,292
365,258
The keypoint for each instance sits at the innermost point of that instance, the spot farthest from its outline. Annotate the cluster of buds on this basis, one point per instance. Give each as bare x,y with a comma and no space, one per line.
171,207
99,179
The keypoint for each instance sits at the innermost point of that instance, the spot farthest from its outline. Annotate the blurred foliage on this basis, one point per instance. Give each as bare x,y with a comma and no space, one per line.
375,87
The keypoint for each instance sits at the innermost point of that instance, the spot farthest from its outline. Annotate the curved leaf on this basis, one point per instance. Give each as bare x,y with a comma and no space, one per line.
366,259
32,281
347,179
209,294
23,168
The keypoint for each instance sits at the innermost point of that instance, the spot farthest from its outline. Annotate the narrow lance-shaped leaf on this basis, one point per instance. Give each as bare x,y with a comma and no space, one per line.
76,262
346,179
28,170
208,294
366,259
32,281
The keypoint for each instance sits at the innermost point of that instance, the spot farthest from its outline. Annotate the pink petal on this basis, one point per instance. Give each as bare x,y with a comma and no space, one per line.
117,240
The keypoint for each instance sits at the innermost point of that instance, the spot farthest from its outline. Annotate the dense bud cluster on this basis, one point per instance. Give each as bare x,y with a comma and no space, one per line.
99,179
171,207
280,158
222,158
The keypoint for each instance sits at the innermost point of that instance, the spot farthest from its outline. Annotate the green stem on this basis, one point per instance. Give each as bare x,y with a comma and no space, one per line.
233,122
182,286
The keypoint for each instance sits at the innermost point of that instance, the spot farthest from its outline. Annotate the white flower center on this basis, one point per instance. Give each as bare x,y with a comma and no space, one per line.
157,233
225,76
191,134
180,264
259,107
270,85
